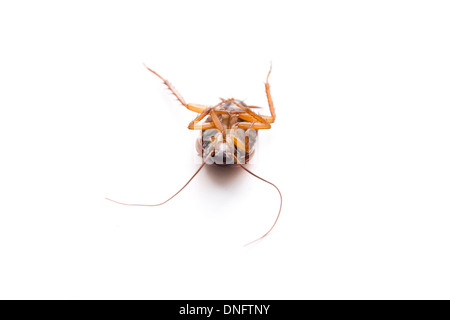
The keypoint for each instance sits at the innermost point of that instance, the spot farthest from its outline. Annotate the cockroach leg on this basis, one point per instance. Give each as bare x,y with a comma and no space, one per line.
191,106
270,119
248,117
239,144
253,125
202,126
257,117
233,119
254,107
198,108
217,122
193,125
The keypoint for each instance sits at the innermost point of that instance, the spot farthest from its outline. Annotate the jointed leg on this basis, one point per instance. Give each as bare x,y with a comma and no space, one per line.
270,119
249,116
252,125
193,107
203,126
217,122
196,107
257,117
194,125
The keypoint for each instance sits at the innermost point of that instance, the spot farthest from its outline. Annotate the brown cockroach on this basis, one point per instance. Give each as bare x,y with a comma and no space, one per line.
228,135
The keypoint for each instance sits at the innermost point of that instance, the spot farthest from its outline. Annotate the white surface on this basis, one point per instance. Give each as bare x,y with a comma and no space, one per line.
360,150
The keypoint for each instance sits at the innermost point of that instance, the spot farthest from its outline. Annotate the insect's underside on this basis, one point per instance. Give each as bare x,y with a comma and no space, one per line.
228,134
230,144
228,129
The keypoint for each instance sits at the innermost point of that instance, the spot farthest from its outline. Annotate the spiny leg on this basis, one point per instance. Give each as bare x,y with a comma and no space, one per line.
253,125
191,106
194,125
198,108
257,117
247,142
249,116
217,122
270,119
237,142
242,145
202,126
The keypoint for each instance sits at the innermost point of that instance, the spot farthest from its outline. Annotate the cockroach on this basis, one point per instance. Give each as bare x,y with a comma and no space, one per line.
228,133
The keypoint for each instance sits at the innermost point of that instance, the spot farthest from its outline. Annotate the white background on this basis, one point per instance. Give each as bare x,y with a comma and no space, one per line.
360,150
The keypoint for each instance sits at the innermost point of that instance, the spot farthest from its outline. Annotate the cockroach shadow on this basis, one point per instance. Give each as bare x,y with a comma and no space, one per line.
225,176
